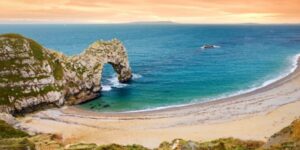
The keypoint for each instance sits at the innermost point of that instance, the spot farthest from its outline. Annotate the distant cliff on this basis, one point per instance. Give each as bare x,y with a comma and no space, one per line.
33,77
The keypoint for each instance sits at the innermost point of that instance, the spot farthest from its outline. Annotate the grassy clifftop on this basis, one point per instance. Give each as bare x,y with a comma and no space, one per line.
13,139
7,131
286,139
26,70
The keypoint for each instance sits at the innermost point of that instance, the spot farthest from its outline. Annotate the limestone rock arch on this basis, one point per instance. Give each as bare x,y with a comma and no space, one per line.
93,59
33,77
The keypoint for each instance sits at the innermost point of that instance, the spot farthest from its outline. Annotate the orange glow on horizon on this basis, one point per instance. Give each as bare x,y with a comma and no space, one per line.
120,11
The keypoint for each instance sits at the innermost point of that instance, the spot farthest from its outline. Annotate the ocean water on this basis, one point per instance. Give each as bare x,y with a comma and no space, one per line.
169,66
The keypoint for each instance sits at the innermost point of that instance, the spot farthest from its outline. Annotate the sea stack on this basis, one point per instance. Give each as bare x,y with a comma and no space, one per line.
34,77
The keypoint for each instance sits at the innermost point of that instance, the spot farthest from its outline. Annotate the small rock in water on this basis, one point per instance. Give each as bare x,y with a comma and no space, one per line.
208,46
106,105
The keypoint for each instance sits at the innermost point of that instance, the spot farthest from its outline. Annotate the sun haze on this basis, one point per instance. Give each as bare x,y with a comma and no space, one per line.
121,11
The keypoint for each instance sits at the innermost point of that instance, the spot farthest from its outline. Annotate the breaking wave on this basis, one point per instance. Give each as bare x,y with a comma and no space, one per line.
113,82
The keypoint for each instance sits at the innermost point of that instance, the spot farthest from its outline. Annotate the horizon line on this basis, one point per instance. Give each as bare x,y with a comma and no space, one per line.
137,23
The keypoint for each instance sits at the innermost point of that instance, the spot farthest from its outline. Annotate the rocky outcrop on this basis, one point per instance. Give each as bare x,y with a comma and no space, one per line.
33,77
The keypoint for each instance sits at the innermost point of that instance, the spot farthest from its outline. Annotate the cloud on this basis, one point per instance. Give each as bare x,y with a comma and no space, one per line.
186,11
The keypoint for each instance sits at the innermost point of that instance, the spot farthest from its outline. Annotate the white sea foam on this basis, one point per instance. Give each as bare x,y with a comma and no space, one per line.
294,64
157,108
113,82
106,88
136,76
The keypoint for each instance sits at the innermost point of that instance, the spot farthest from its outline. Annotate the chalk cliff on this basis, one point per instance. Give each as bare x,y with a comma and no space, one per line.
33,77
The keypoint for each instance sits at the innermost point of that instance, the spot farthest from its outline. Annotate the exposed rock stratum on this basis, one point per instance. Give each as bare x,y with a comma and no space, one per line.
33,77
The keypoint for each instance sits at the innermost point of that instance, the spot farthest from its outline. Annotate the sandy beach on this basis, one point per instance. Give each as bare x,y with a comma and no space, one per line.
254,115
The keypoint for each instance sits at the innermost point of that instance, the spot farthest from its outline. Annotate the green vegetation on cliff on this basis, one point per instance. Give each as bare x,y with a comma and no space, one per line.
32,75
17,93
16,144
219,144
24,71
58,71
12,35
37,50
7,131
82,146
286,139
13,139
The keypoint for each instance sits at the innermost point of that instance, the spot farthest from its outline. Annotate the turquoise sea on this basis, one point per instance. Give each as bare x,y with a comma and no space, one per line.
169,66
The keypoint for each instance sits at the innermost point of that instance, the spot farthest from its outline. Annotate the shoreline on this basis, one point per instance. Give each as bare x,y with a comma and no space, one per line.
247,92
254,115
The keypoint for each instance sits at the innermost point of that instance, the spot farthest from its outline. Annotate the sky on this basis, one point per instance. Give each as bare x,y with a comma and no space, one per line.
123,11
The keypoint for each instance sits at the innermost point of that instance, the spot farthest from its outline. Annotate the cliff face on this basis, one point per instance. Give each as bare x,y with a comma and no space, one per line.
32,76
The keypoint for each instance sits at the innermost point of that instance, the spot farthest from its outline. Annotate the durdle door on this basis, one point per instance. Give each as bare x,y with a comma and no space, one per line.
33,77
